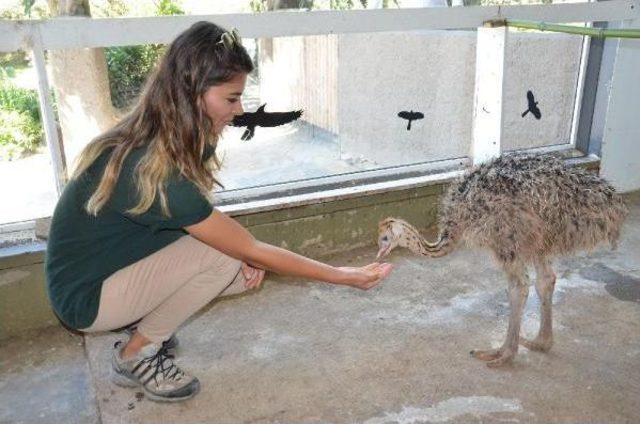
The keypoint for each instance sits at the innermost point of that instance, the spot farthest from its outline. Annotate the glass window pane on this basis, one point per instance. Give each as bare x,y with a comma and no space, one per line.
357,90
547,66
352,89
27,187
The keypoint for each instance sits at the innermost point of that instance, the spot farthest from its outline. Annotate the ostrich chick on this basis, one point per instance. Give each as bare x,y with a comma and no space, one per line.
526,210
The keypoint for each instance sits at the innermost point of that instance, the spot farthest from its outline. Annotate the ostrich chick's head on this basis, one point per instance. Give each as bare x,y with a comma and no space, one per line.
391,234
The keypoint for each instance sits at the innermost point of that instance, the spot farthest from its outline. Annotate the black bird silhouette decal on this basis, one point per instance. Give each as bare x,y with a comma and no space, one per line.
532,106
260,118
410,116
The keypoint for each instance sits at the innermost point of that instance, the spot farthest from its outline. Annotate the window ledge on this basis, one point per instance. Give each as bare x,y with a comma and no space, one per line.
27,238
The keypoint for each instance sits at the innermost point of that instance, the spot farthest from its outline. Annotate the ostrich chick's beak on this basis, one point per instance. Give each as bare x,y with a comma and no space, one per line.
384,249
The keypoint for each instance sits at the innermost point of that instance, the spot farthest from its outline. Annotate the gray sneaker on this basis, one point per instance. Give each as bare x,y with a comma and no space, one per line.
154,370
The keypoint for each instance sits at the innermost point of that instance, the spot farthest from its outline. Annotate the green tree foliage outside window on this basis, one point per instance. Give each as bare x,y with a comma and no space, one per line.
129,66
20,126
21,129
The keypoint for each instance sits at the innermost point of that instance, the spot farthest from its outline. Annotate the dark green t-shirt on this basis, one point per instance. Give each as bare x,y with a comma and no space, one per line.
84,250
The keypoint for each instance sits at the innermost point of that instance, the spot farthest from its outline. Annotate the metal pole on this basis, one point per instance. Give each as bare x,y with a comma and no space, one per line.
582,75
47,114
571,29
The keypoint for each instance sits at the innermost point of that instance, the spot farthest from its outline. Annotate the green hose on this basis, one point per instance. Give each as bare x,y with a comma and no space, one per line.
568,29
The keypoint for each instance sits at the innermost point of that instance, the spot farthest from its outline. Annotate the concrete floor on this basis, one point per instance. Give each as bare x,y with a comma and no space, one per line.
45,378
299,352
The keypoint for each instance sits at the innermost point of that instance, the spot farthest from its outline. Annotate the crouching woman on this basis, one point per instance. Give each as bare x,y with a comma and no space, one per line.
134,237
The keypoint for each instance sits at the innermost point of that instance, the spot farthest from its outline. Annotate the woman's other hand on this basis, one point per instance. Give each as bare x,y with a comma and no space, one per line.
254,276
365,277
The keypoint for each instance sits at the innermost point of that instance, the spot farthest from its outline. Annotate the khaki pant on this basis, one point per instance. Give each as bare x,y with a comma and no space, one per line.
166,288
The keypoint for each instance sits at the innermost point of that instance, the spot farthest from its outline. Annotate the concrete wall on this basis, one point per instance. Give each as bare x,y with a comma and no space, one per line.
380,74
23,301
621,137
301,73
383,74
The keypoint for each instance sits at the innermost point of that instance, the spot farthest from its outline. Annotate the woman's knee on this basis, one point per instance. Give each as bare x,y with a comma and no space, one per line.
231,266
221,264
225,272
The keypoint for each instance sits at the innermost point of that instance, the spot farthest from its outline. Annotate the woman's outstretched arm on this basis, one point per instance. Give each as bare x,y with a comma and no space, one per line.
228,236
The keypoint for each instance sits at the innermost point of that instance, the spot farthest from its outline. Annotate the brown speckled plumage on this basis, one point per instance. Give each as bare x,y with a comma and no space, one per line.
525,210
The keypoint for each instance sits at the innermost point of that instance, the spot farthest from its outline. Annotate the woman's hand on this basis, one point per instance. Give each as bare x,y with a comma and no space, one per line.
365,277
254,276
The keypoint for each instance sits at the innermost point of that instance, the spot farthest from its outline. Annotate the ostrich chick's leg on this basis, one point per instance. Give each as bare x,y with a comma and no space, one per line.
545,284
518,291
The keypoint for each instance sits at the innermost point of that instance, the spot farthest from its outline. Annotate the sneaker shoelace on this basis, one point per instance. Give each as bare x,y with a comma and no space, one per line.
162,364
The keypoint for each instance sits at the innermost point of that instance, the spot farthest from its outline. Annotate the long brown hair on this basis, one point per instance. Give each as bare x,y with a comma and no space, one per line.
169,120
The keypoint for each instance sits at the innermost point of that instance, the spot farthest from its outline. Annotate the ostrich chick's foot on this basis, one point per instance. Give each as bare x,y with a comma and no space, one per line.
538,344
494,357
